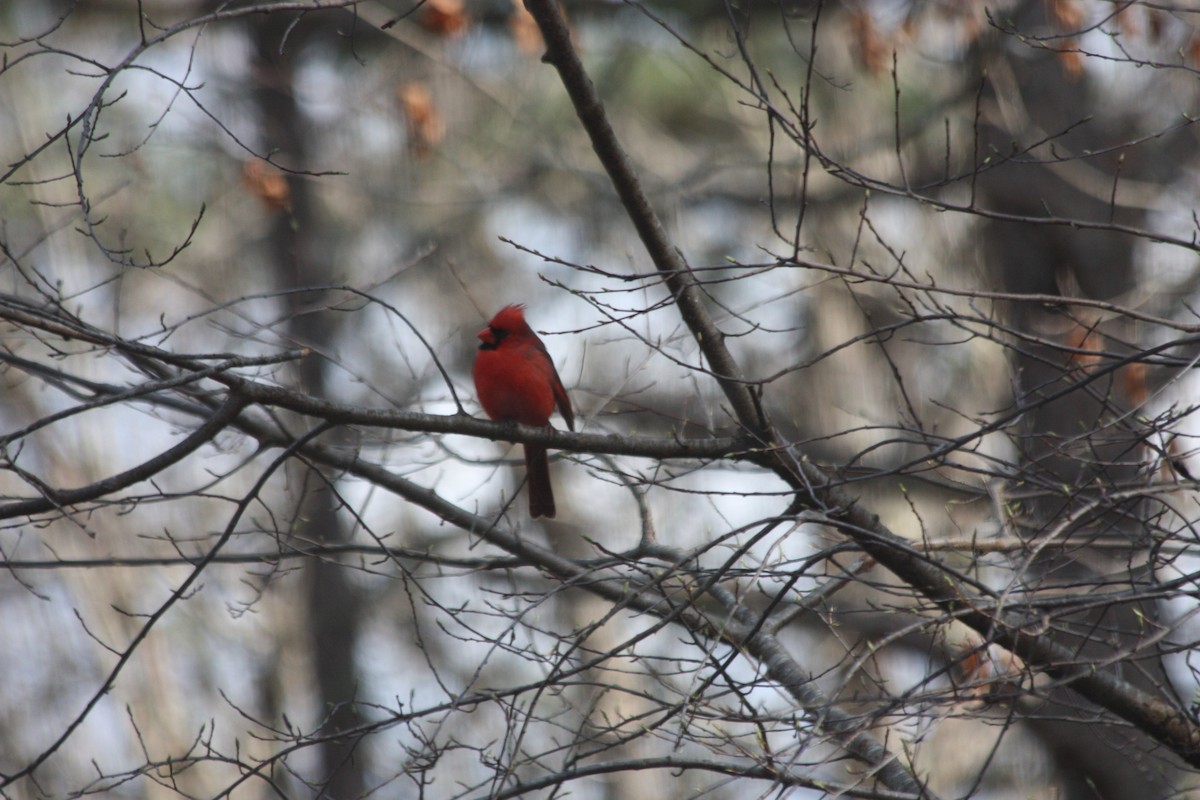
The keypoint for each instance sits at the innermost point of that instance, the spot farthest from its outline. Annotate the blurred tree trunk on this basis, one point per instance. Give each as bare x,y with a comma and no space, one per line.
299,253
1071,435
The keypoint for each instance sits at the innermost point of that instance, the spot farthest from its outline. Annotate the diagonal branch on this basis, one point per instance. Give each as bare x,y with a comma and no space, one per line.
1096,682
560,52
52,499
689,297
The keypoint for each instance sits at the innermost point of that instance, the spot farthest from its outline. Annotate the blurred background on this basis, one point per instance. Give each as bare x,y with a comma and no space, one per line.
373,180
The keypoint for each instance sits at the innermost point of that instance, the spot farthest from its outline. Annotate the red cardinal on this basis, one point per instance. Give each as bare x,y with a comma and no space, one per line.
517,382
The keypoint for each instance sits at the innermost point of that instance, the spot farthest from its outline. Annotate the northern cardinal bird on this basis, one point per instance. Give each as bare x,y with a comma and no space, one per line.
517,382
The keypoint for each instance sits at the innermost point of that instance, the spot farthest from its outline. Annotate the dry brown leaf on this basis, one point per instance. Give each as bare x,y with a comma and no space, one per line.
426,126
872,47
1086,344
444,17
268,184
525,32
1133,383
1129,21
1071,61
986,673
1067,14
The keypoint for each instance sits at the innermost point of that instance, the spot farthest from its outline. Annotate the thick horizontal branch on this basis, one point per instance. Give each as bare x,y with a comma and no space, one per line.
286,552
19,312
463,424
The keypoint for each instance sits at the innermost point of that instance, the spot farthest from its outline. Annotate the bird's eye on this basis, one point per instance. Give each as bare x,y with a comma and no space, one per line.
499,333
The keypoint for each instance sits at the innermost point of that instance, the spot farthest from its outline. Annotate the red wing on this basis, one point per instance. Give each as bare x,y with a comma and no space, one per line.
560,393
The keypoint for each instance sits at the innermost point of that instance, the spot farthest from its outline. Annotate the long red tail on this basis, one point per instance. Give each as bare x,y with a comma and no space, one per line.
541,494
